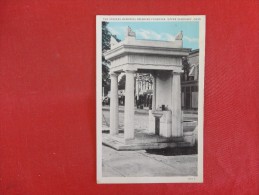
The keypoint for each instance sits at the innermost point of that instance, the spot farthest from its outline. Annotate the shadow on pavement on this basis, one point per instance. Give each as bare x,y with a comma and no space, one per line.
174,151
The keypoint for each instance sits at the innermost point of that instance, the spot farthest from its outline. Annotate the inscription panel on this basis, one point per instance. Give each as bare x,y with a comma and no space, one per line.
154,60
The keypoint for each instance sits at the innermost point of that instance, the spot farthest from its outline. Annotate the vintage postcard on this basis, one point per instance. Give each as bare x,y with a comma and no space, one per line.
150,97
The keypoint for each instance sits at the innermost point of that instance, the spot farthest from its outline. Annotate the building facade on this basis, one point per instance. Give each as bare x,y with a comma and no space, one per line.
144,90
189,82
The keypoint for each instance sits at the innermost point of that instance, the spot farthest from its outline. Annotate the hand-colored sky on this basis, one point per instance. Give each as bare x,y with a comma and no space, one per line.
159,31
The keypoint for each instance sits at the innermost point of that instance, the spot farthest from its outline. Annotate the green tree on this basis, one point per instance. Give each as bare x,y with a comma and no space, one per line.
106,37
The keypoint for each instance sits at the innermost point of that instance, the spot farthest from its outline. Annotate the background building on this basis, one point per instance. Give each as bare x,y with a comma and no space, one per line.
189,82
144,90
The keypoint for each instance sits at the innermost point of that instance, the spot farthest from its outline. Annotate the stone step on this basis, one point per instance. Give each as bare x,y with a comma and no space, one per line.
118,145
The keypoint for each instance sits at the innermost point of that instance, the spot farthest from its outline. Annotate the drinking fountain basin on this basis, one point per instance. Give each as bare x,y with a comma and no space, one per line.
157,113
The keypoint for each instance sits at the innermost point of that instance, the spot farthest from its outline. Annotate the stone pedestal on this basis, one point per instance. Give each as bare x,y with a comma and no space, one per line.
114,109
177,129
165,124
151,122
129,106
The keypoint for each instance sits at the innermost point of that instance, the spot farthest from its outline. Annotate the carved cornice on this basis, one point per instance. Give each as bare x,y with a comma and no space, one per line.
145,50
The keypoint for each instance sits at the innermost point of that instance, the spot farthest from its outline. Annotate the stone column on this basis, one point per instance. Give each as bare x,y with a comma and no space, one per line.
177,128
137,88
154,94
114,107
129,106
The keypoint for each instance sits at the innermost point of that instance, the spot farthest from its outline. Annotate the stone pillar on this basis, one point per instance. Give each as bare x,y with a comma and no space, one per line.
154,94
137,88
177,129
114,106
129,106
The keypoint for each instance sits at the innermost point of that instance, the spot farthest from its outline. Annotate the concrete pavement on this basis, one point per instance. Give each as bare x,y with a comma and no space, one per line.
169,162
141,163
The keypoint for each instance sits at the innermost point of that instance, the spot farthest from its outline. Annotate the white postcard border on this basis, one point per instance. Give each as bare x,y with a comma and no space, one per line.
145,18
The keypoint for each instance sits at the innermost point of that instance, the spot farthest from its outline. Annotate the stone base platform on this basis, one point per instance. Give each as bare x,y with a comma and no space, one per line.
143,141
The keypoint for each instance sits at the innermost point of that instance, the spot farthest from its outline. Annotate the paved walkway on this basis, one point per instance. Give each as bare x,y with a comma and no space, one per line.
141,163
169,162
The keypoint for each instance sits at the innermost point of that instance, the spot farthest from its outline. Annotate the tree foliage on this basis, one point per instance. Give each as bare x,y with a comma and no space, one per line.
106,37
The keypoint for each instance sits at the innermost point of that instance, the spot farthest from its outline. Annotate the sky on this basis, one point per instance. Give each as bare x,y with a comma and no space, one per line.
159,31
